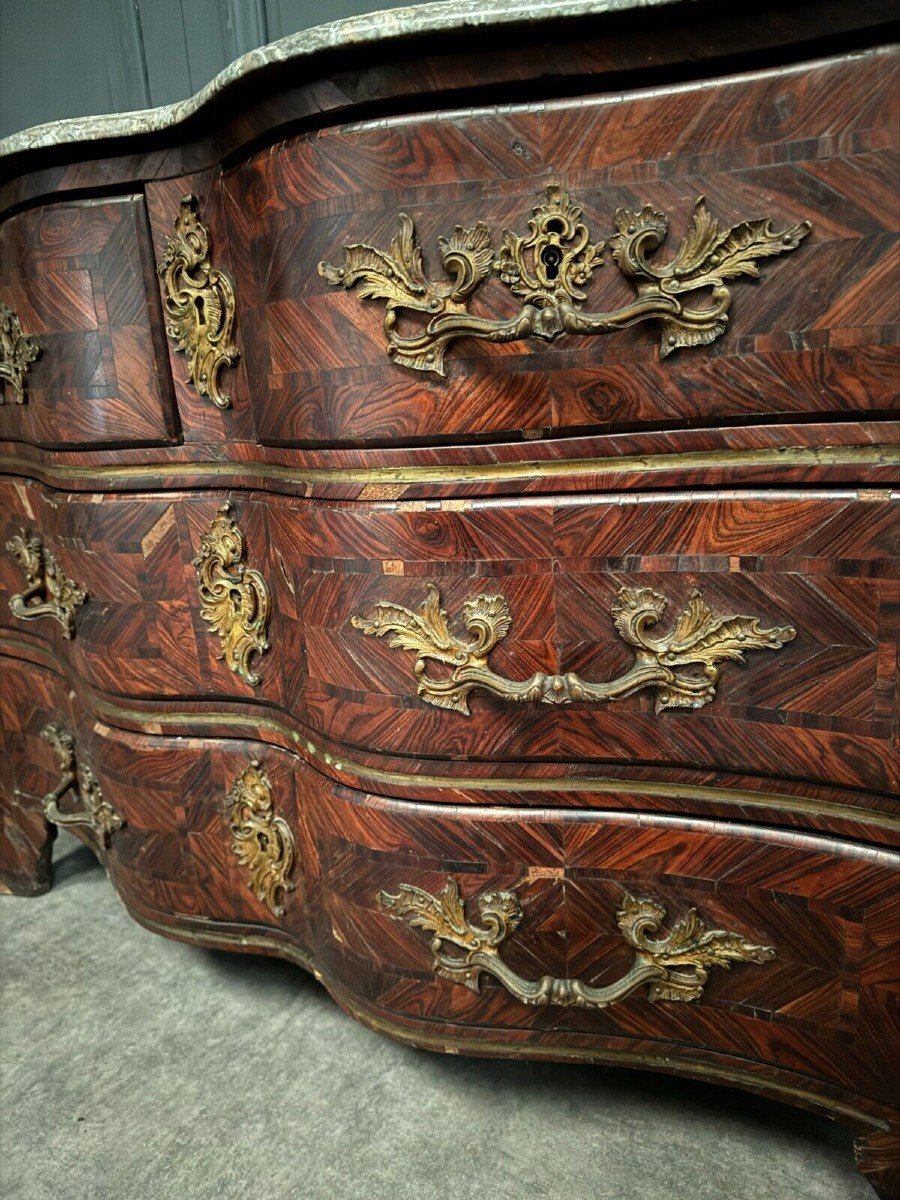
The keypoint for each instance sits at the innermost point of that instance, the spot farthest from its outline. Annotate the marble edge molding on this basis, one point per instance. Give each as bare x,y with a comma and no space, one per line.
302,48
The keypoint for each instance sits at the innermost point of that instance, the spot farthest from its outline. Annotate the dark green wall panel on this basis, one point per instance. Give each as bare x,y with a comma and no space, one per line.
68,58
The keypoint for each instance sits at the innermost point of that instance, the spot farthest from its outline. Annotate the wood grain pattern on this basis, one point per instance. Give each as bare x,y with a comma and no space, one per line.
758,470
607,51
77,276
821,710
819,144
818,1014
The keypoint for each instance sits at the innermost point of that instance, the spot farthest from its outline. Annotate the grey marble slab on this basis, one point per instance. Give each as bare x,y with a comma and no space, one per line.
370,29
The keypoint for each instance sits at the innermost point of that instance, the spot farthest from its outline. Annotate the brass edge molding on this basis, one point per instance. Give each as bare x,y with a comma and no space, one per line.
674,966
263,939
547,270
76,776
199,303
626,464
17,352
234,599
262,842
153,724
48,590
698,639
482,1046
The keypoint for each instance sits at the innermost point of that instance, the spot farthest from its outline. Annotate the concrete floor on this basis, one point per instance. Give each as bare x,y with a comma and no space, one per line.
135,1068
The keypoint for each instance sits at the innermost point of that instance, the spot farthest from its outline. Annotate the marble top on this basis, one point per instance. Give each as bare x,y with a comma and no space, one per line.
301,48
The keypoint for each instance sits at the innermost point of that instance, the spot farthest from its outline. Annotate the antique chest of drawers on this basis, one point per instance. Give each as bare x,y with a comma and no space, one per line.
447,538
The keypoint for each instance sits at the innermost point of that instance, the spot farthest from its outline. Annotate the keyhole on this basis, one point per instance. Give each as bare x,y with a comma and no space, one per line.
198,304
551,257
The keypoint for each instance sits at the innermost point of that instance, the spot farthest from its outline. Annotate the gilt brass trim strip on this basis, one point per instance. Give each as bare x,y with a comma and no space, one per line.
254,474
156,721
674,966
187,930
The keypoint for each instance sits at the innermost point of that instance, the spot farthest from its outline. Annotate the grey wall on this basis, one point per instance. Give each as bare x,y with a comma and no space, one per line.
66,58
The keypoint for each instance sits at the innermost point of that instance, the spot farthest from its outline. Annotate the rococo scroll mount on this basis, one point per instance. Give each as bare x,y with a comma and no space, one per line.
548,269
681,667
263,843
674,966
76,776
200,305
234,599
17,352
48,590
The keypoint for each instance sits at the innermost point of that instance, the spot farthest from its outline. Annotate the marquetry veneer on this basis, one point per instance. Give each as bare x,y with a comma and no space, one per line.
418,562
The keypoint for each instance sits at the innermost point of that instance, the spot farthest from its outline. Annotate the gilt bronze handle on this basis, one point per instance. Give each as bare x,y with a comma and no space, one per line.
547,269
668,665
674,966
76,777
48,590
17,353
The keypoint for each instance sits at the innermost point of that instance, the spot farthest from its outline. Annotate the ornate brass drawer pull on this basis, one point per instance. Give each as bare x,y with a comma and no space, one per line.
234,599
262,842
17,353
77,777
548,269
48,591
199,300
674,966
698,639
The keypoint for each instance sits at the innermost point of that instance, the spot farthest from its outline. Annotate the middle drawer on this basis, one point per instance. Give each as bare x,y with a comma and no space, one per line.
716,630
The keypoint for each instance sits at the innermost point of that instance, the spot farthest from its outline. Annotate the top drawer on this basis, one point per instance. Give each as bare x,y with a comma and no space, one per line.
76,277
811,143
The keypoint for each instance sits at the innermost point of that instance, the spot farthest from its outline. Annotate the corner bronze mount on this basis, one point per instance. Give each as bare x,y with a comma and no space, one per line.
199,302
234,599
77,777
262,842
548,269
17,352
698,639
48,591
674,966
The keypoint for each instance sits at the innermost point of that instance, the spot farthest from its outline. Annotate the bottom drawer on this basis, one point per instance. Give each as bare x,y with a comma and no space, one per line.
755,956
581,929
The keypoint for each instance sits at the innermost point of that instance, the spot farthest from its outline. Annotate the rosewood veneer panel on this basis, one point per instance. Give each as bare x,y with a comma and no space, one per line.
827,907
818,709
549,475
79,277
816,143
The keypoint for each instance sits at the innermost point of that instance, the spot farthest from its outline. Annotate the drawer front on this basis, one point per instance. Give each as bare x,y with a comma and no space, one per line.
743,632
503,931
536,920
79,278
811,336
168,805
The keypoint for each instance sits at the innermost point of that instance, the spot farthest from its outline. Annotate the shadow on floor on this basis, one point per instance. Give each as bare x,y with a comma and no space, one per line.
562,1083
